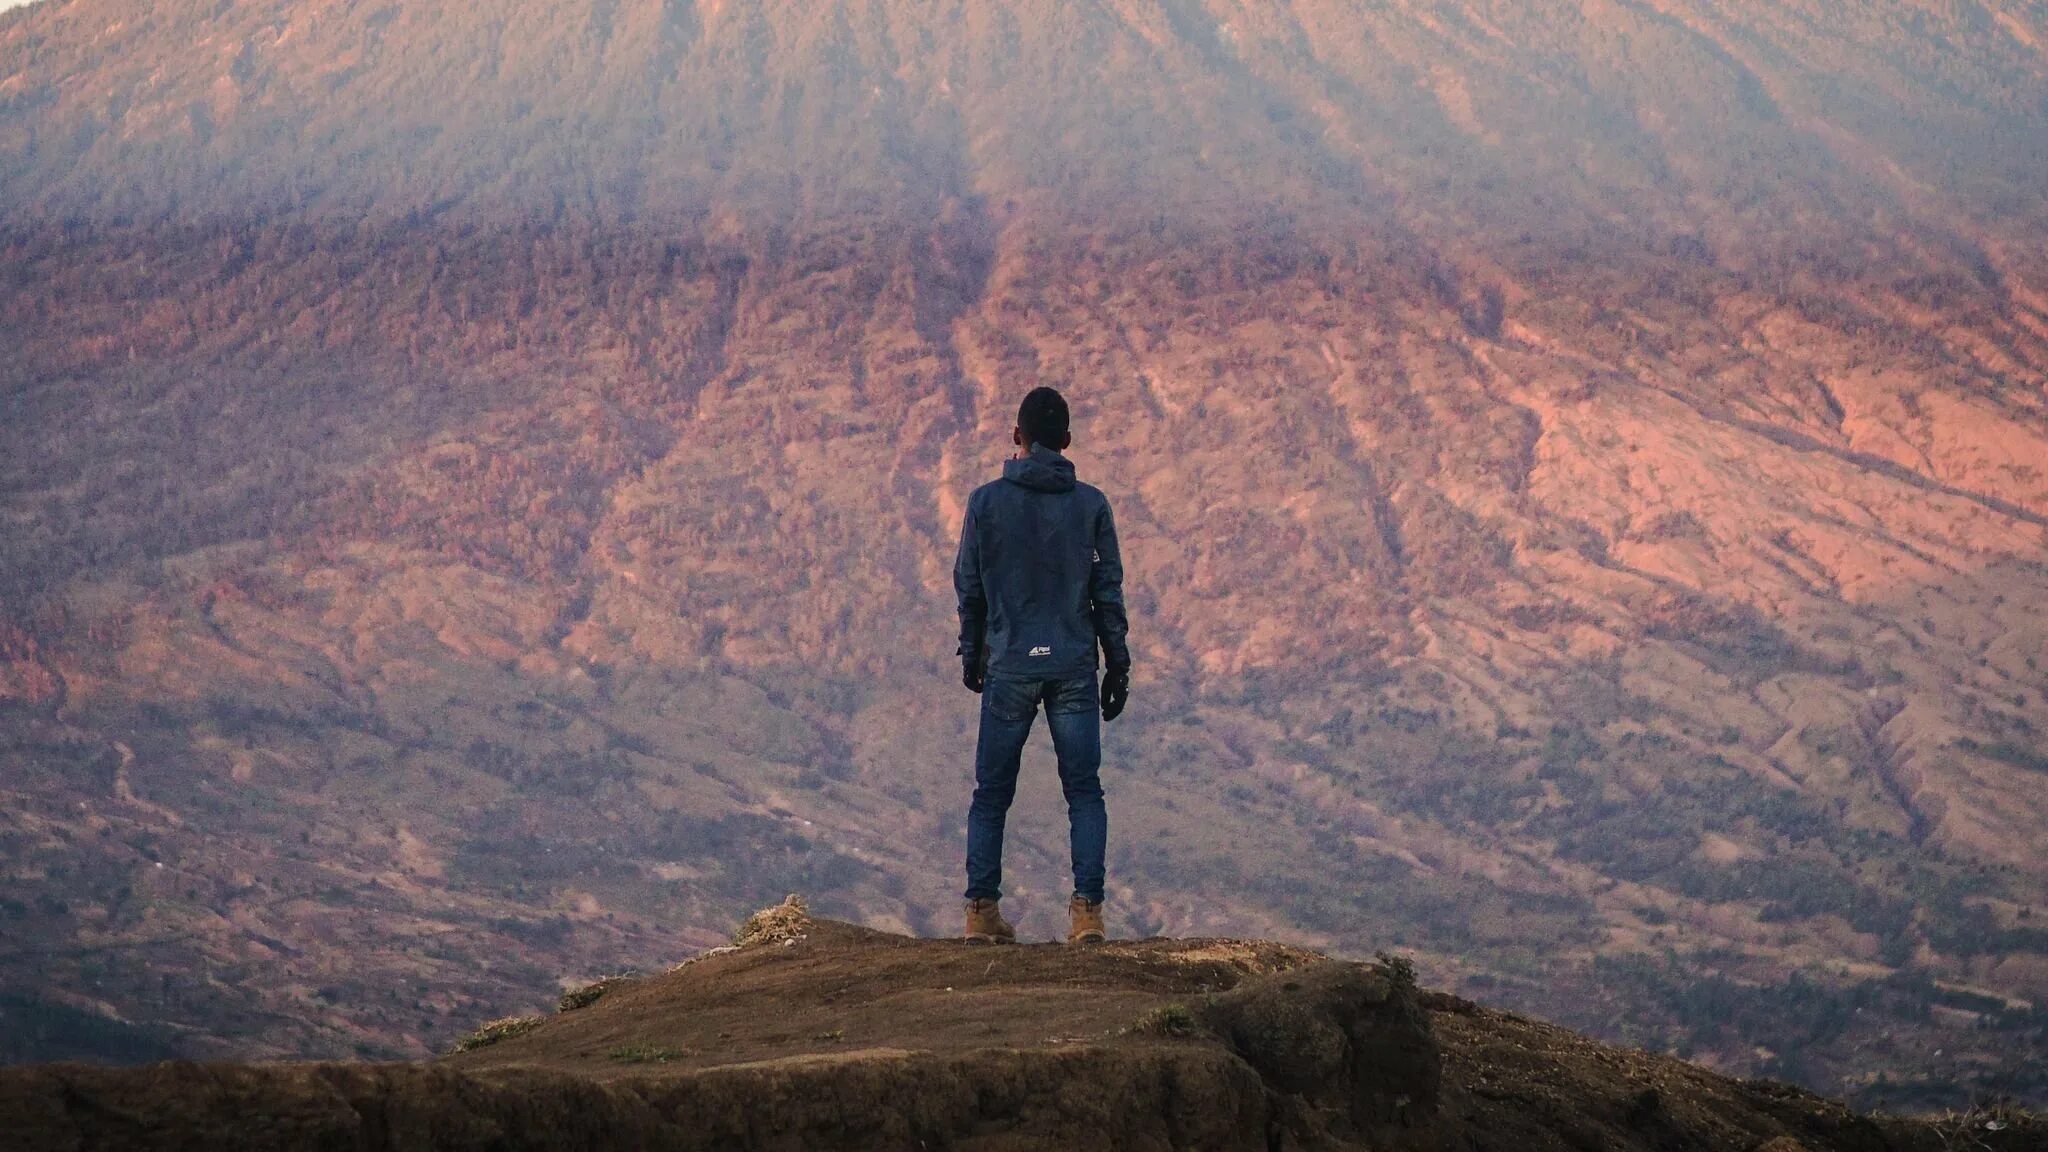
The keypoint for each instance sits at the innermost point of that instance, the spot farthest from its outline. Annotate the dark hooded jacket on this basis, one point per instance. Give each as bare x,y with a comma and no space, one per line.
1039,577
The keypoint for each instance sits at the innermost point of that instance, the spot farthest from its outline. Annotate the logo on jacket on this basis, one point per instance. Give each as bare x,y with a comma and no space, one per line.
1041,650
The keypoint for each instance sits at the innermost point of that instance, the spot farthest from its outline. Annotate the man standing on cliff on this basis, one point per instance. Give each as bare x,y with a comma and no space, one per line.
1040,584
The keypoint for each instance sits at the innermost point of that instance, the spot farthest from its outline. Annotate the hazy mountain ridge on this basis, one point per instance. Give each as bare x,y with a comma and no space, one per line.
1700,119
1597,513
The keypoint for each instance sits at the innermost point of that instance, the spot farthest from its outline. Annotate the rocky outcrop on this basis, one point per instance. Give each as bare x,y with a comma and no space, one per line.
877,1041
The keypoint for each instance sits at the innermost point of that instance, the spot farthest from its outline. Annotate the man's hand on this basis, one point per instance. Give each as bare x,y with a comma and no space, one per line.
970,673
1116,692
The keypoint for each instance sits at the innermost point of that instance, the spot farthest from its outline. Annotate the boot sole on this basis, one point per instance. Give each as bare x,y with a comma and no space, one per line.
978,939
1088,938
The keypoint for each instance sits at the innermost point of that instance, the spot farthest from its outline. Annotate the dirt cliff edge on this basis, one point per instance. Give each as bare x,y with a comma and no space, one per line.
818,1034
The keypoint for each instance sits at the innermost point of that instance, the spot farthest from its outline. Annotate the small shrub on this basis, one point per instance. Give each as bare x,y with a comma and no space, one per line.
1400,970
497,1030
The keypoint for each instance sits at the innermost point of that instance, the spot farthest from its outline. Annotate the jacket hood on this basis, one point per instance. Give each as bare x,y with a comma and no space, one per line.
1043,471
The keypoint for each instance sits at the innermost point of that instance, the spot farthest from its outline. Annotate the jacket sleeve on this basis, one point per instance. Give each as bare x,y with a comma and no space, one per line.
1106,593
967,589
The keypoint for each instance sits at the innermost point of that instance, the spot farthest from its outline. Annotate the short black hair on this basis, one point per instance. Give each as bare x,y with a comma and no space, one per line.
1043,417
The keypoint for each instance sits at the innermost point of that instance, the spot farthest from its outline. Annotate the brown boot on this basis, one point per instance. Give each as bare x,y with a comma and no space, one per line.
985,923
1087,922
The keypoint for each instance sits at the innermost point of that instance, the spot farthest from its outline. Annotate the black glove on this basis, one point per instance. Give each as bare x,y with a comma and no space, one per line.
970,673
1116,692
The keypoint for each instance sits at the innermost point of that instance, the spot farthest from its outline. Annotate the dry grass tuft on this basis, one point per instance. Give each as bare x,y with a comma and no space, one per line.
1978,1126
707,954
648,1054
784,922
497,1030
1166,1020
592,992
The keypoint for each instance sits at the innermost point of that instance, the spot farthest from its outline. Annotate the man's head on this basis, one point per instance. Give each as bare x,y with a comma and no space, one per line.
1042,419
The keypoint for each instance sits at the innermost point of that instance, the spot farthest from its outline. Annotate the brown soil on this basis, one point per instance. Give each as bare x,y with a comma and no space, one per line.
843,1037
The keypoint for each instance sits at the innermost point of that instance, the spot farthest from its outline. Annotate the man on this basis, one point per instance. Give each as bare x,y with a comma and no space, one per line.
1040,585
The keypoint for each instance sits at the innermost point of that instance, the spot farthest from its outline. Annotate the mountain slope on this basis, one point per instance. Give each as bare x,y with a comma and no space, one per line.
480,482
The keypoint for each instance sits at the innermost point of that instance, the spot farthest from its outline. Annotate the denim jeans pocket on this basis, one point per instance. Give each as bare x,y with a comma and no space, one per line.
1011,700
1075,694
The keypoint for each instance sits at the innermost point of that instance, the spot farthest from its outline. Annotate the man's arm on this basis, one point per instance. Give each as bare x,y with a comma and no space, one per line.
973,602
1106,594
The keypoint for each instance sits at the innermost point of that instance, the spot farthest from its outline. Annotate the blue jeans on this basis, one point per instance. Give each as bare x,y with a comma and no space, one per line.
1073,710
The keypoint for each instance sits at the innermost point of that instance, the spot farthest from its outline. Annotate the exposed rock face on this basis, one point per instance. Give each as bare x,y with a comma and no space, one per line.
1342,1039
486,474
